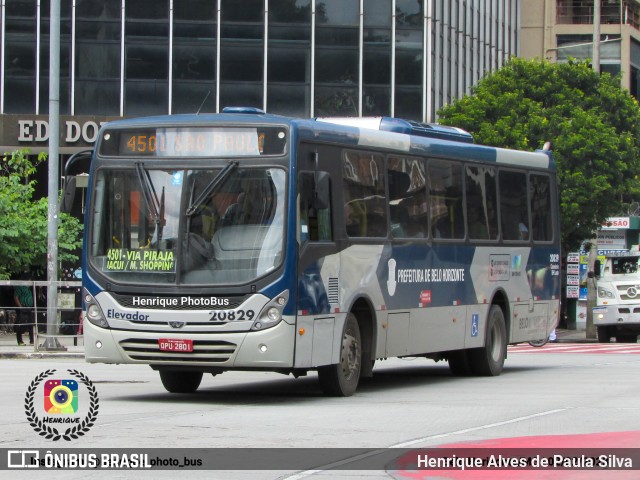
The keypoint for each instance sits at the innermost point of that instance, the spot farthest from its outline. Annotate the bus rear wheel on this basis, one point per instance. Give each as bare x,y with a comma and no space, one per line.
489,360
341,379
180,382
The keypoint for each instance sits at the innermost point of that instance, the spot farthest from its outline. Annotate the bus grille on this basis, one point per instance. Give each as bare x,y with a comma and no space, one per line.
204,351
629,292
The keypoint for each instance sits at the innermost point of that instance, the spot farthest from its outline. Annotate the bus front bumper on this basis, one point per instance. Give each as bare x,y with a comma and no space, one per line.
268,349
623,315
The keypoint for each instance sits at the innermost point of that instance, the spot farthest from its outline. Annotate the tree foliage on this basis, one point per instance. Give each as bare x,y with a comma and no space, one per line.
592,123
24,221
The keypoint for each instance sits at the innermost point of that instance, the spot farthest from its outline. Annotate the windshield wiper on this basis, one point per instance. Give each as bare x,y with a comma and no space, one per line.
211,187
151,198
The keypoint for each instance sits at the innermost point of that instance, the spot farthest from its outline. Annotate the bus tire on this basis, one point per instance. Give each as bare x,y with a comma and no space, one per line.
180,382
604,334
341,379
459,363
488,360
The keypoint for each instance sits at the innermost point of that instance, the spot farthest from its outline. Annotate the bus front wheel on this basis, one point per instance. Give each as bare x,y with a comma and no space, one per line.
489,360
341,379
604,334
180,382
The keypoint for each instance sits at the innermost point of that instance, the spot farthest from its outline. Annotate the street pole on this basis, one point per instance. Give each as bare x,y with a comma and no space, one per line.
51,342
596,36
591,291
591,286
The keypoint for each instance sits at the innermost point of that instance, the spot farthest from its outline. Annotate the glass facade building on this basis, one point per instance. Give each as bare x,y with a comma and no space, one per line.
305,58
124,58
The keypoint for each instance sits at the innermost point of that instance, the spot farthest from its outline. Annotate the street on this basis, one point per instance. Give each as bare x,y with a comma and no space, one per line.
409,403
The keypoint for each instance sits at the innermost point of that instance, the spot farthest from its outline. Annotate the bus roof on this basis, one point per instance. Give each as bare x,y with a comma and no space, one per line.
388,133
408,127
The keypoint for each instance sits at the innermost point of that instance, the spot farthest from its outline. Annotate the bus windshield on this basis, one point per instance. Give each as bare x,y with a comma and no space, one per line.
181,226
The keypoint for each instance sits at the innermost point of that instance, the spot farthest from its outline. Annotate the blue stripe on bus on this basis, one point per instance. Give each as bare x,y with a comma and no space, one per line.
421,275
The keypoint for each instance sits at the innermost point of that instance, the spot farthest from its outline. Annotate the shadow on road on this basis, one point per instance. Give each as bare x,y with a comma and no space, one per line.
275,390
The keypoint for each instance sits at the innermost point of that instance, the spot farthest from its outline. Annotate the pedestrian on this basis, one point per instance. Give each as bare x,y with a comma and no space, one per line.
23,299
553,338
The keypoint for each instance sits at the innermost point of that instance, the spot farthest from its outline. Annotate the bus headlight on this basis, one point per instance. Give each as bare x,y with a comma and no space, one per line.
604,293
94,312
271,314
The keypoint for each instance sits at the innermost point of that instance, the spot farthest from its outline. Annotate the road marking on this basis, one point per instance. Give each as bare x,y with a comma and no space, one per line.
480,427
346,461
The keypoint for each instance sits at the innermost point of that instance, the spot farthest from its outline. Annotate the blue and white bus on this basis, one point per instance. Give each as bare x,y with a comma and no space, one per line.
250,241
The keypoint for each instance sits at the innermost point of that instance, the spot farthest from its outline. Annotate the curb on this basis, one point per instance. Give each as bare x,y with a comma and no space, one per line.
577,340
40,355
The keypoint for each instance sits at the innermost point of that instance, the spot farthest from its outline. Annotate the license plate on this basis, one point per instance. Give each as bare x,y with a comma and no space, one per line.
175,345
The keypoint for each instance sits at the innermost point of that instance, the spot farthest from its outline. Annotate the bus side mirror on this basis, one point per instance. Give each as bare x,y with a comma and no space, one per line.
321,191
71,182
69,194
597,267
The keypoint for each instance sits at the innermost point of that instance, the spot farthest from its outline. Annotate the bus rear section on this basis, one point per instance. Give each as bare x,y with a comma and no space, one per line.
449,256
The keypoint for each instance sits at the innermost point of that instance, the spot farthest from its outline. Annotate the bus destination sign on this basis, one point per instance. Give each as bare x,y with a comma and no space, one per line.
194,142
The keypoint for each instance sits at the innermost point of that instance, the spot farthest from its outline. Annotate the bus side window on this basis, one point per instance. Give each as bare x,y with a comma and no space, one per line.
445,200
482,203
315,220
407,197
540,189
363,183
514,211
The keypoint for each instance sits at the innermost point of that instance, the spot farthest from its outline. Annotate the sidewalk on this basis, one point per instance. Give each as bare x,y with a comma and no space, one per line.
9,347
573,336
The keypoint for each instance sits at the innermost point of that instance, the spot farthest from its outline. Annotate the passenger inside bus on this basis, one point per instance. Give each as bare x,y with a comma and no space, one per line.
623,266
234,212
399,221
207,220
477,224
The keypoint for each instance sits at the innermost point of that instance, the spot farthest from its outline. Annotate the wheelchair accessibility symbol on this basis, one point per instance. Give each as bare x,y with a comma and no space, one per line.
475,318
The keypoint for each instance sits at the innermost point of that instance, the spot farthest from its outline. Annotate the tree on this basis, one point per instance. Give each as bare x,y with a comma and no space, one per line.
592,123
23,221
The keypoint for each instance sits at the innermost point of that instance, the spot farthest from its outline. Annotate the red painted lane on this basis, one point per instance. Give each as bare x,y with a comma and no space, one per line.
557,443
595,348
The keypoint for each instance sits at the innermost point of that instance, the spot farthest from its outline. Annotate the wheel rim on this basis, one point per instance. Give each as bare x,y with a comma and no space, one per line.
496,342
350,356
